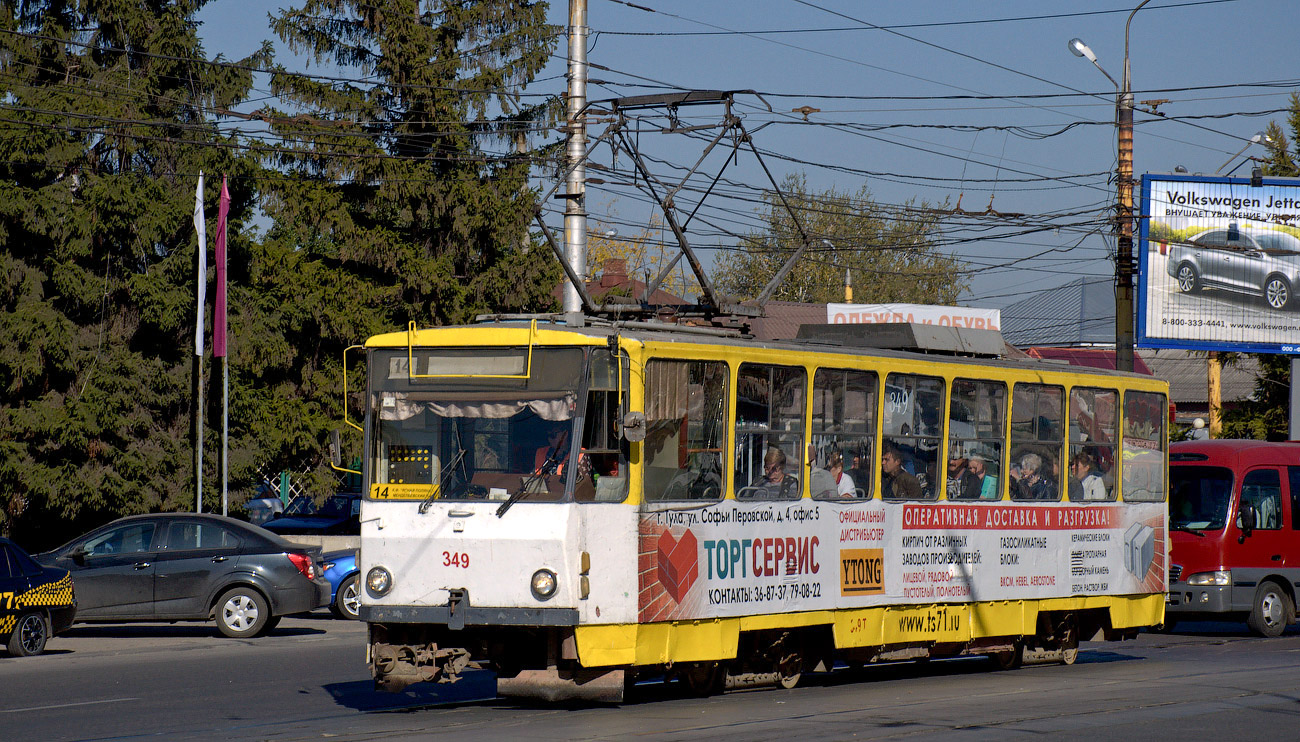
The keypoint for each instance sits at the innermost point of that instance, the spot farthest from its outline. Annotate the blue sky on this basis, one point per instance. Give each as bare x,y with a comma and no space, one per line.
879,93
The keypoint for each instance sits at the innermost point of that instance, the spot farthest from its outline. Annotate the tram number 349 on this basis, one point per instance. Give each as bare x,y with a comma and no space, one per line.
455,559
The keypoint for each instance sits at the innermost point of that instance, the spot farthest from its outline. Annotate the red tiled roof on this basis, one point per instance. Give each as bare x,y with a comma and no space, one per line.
1090,357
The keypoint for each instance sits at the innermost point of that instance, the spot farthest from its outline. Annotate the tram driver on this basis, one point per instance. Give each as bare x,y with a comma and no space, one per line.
550,459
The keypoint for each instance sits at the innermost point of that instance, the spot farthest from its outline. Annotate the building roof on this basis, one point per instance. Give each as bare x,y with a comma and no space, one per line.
784,318
1081,312
1187,374
614,281
1089,357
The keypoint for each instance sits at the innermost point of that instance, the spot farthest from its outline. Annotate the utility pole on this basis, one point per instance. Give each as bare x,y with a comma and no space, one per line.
575,206
1214,397
1124,242
1123,198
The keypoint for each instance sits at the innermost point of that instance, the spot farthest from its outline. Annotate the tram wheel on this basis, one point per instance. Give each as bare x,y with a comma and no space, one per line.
705,679
1010,660
1070,642
789,670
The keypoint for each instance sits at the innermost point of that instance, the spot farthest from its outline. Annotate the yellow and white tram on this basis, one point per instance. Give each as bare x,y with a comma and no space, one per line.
574,506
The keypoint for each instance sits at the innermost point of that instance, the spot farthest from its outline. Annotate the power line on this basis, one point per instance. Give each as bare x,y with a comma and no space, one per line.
896,26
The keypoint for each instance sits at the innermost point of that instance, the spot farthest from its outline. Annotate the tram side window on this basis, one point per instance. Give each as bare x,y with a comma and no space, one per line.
686,423
602,467
1094,428
843,428
913,420
976,431
769,431
1143,469
1037,439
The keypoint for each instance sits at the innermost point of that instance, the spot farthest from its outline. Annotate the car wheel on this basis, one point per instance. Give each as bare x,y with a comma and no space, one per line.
1277,292
1188,281
347,600
1272,610
271,623
242,612
29,635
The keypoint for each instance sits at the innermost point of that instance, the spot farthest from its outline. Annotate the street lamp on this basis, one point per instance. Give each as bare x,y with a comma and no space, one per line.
1124,197
1256,139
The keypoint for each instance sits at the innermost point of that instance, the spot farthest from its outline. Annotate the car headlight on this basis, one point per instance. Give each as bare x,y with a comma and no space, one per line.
379,581
1220,577
543,584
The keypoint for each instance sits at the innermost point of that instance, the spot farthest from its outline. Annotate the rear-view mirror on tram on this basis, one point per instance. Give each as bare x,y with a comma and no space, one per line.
336,448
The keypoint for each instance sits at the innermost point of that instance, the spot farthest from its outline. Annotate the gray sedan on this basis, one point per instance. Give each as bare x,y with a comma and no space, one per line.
1257,262
190,567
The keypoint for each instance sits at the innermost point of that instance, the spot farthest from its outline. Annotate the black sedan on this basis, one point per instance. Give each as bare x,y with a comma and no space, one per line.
191,567
35,602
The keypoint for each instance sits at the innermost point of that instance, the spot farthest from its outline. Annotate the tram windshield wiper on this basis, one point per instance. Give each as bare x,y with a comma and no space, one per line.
548,467
442,481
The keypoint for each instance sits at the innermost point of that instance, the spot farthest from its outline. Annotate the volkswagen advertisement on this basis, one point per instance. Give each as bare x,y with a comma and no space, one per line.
1219,264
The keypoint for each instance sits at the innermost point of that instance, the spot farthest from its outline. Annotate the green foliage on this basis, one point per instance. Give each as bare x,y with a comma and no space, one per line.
97,179
1264,416
891,251
405,199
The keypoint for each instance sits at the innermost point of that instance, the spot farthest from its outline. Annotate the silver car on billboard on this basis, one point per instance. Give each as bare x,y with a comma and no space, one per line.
1258,262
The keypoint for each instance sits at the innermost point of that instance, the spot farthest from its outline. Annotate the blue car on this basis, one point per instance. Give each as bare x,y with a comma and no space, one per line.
345,583
339,515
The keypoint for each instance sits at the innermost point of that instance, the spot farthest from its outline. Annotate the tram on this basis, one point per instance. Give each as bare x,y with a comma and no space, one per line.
577,506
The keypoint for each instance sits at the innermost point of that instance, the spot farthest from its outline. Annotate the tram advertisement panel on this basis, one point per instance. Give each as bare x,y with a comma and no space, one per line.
736,558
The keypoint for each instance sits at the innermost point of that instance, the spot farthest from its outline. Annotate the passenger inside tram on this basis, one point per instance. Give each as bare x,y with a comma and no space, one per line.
775,483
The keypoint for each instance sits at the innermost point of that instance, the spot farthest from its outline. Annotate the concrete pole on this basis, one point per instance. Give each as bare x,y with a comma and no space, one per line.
1124,240
575,213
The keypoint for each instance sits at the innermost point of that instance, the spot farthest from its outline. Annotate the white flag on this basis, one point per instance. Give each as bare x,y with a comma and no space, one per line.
201,228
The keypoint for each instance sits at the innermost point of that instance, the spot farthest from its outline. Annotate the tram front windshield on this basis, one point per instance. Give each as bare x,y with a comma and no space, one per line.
475,424
1199,497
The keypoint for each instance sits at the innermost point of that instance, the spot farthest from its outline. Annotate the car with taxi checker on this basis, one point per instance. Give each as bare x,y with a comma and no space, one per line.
36,602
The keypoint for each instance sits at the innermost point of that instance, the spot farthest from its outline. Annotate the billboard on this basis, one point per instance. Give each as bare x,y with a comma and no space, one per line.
924,314
1219,264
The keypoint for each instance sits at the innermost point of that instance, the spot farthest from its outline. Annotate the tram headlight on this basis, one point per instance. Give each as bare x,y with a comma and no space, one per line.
1220,577
543,584
379,581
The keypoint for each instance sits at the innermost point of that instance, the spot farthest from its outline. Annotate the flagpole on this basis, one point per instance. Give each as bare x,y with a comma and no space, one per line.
202,296
219,344
225,435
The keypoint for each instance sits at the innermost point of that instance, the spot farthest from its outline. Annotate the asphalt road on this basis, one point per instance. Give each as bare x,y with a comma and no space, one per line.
308,681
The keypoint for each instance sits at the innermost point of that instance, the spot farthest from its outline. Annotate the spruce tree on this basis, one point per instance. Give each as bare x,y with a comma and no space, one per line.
108,121
413,182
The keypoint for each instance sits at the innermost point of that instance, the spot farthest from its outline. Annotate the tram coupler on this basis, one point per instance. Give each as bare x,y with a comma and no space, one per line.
396,666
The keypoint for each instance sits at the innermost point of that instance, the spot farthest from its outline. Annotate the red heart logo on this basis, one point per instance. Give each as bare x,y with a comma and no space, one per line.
678,563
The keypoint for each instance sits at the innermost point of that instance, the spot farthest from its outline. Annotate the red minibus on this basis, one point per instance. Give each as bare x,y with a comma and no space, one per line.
1234,518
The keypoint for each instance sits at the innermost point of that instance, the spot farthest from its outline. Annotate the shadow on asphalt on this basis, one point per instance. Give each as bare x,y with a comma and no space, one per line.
1225,629
175,631
474,686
